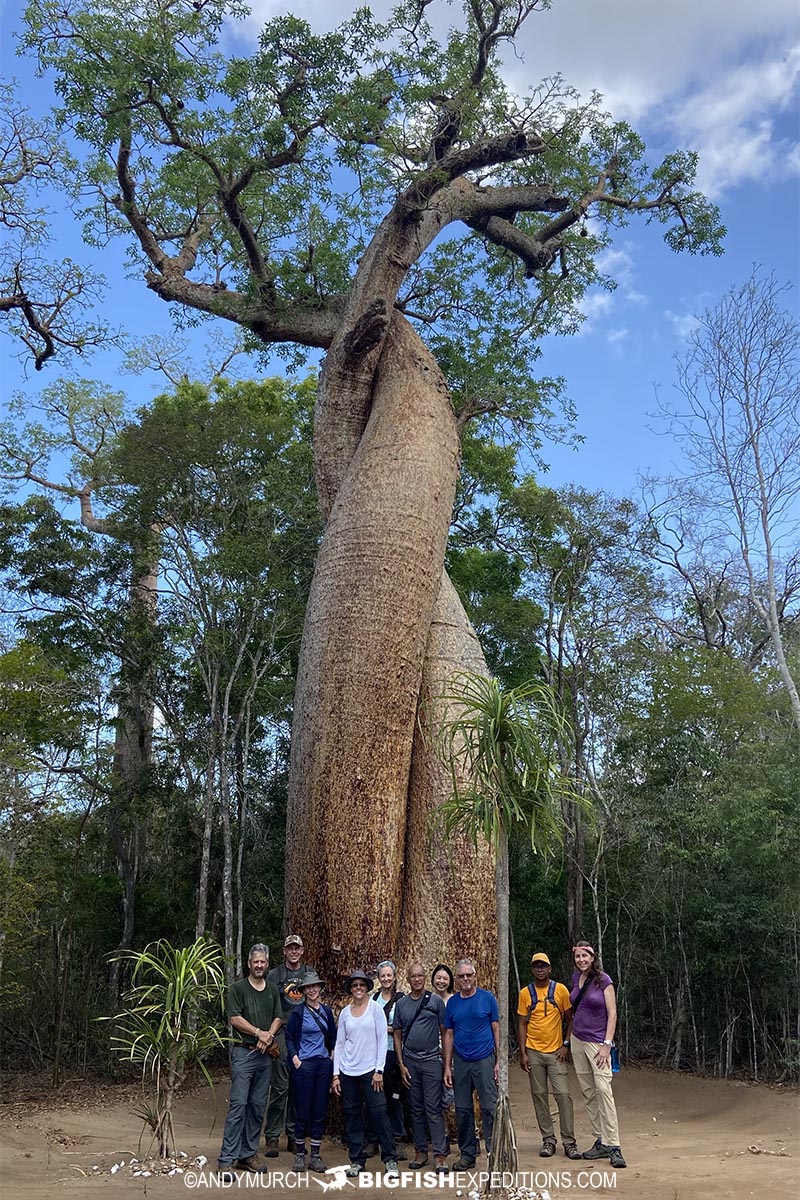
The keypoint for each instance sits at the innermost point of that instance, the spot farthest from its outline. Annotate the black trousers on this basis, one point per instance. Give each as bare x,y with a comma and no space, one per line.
357,1092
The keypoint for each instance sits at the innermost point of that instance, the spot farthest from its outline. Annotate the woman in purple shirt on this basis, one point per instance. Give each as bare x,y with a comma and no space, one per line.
594,1020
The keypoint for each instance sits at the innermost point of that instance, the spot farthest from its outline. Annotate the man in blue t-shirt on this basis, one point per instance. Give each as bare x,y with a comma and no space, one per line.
471,1044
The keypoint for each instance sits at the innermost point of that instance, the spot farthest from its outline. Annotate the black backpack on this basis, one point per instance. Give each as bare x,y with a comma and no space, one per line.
551,996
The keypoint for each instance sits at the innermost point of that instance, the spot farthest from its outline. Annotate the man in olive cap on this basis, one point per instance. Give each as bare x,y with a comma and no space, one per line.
280,1110
544,1023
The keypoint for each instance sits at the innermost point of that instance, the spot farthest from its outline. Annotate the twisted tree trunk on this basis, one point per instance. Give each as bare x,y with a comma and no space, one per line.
383,627
448,903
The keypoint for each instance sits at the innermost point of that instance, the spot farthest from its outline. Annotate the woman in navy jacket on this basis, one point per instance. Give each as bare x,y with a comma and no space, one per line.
310,1038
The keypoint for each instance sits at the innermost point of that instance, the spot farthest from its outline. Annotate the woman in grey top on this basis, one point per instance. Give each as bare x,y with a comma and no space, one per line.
393,1088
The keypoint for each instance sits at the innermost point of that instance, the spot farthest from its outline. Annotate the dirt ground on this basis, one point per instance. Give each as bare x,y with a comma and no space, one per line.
684,1139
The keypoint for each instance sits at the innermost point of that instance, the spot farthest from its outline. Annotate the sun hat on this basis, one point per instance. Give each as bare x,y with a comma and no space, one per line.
359,976
310,978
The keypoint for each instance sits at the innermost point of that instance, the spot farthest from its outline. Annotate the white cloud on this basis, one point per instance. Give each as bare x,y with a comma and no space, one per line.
683,324
732,122
617,336
618,262
594,306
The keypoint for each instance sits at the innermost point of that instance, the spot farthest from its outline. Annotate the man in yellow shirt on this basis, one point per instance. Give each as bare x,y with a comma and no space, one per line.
544,1023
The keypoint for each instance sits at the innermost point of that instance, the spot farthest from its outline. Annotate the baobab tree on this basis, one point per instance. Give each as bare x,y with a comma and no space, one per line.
380,194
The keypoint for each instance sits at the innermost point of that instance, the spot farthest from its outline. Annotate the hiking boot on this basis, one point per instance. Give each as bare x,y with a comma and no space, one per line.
598,1150
226,1174
615,1158
391,1169
572,1151
464,1163
548,1150
249,1164
271,1148
400,1152
370,1149
441,1164
354,1170
299,1163
420,1160
291,1145
315,1163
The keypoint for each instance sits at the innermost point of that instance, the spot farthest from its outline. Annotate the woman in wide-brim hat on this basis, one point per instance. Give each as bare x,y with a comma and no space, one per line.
310,1038
359,1058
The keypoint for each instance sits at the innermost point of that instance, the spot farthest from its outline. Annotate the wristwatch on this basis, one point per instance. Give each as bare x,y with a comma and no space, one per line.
606,1042
565,1043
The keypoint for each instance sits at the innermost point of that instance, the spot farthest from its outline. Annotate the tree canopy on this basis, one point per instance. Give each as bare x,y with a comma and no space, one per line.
253,186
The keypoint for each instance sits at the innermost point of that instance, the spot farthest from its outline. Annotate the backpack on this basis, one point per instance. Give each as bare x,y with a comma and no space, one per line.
551,996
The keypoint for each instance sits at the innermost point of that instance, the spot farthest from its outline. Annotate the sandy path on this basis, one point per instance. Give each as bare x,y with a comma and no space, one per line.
684,1139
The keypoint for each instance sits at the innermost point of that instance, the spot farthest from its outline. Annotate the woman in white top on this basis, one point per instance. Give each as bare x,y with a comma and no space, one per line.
358,1061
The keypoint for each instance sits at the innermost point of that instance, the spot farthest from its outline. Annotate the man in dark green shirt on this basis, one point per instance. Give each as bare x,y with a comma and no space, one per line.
254,1012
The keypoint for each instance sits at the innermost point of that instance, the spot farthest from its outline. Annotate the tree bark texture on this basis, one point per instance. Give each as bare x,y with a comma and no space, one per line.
448,908
383,626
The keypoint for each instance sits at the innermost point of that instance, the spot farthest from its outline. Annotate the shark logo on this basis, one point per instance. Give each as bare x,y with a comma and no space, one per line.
338,1182
292,991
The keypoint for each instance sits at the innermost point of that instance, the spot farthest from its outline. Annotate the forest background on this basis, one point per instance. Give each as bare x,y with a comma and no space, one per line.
126,822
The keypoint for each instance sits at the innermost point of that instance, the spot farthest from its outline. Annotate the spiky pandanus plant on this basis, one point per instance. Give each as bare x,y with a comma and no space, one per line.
500,750
173,1020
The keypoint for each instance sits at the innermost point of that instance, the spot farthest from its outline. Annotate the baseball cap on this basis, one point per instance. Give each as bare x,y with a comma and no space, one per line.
541,957
293,940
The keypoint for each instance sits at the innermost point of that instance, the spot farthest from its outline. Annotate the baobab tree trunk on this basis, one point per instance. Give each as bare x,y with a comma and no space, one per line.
448,905
377,614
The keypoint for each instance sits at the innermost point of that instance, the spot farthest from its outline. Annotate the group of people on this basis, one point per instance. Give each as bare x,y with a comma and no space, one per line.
427,1048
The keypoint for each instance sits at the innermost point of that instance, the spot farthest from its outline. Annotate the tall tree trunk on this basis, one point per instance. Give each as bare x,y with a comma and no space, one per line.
227,855
434,925
575,859
132,744
377,596
201,918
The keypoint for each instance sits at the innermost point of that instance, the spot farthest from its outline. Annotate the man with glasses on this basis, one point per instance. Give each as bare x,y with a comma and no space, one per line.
471,1045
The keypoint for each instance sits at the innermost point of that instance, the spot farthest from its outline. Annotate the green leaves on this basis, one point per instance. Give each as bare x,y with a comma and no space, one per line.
272,174
171,1021
500,749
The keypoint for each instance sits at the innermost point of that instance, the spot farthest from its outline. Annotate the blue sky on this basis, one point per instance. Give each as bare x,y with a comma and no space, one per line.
719,76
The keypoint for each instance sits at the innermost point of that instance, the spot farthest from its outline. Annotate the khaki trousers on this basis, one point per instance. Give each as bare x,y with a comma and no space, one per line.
544,1068
595,1084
